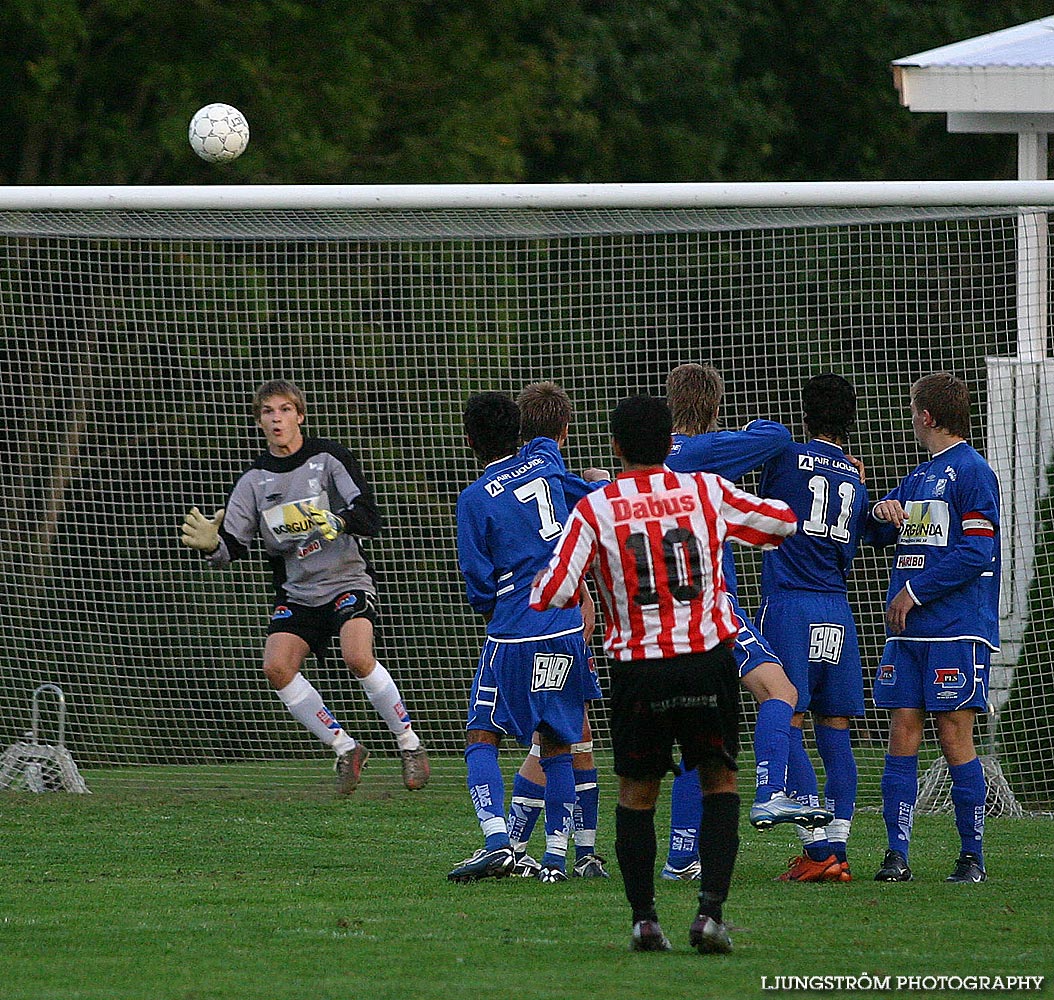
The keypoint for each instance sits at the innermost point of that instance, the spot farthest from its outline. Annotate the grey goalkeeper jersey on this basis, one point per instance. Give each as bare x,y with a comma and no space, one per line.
306,569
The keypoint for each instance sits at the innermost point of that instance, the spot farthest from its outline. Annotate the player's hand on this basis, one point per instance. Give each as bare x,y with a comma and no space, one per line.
596,475
858,465
891,511
897,612
201,532
328,524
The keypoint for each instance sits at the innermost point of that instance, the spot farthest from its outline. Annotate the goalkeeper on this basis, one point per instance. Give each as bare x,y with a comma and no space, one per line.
308,501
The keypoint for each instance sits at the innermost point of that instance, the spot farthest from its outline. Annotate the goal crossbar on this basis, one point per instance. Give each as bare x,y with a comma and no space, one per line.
772,194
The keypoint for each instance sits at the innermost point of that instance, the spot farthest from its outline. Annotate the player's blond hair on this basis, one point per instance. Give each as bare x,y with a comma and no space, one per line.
694,393
278,387
545,411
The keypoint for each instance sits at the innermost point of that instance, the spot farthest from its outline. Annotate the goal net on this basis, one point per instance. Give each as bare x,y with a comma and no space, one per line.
134,338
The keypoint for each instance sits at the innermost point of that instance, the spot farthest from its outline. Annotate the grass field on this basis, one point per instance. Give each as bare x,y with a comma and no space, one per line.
162,893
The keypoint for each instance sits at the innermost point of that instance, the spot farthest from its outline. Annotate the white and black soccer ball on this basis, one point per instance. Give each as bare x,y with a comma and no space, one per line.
218,133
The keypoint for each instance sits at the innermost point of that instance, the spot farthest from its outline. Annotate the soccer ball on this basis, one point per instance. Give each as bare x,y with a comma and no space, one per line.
218,132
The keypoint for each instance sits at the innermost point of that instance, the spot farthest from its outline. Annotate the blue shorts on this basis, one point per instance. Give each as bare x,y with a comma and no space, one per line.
935,676
751,648
520,685
814,636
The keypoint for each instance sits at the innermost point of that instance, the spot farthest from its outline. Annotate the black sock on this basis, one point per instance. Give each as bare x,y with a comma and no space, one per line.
718,846
635,850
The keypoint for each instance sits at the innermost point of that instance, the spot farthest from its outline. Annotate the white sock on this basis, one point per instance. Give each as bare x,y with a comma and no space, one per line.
306,706
384,696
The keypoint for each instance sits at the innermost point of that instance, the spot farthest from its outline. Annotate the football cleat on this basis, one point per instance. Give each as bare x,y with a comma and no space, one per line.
805,869
348,768
525,866
648,936
589,866
484,864
416,769
686,873
550,874
709,937
783,809
968,869
894,868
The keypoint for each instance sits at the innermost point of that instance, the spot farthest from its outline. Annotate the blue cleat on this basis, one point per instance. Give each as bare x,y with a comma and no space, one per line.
484,864
686,873
783,809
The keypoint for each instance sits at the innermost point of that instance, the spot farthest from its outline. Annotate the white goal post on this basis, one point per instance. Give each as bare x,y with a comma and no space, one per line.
136,323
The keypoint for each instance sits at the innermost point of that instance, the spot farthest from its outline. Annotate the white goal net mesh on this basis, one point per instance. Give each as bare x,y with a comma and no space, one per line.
133,341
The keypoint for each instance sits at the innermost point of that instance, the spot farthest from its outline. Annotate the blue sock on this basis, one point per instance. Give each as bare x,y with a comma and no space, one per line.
801,785
686,813
968,795
525,808
771,746
900,791
487,789
559,808
587,811
839,764
801,775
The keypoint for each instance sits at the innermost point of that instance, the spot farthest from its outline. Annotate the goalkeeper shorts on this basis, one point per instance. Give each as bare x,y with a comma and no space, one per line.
318,625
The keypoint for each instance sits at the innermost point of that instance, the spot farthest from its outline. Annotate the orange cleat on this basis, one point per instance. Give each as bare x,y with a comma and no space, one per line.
804,869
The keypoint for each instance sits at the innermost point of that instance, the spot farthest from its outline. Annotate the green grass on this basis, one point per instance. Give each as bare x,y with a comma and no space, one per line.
166,894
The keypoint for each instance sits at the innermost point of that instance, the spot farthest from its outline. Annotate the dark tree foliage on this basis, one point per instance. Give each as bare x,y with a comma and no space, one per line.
525,90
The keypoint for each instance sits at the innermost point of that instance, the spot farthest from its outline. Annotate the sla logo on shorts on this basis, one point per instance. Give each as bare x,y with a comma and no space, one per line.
345,601
281,612
887,674
550,671
825,643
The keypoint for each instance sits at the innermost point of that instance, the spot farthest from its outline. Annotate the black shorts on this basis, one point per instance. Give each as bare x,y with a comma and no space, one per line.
690,700
317,626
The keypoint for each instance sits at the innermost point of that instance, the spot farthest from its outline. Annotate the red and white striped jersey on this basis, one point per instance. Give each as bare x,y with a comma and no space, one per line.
652,540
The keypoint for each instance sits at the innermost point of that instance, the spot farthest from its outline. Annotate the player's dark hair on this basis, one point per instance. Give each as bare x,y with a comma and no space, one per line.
492,423
641,427
694,393
545,411
948,400
278,387
829,406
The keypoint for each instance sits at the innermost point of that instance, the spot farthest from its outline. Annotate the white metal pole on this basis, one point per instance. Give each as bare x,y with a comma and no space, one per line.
382,197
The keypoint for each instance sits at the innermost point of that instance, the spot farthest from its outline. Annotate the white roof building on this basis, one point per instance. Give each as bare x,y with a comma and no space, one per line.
1000,82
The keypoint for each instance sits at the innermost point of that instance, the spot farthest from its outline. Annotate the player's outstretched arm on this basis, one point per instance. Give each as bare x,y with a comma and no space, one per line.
200,532
328,524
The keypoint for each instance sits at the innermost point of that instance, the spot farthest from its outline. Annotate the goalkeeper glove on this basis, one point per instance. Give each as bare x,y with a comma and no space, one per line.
202,533
328,524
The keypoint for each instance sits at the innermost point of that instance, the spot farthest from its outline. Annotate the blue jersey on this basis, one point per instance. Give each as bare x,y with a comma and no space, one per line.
824,490
507,523
731,454
947,552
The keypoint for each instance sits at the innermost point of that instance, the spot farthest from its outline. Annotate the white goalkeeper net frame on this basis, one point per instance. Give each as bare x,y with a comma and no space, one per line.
137,322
